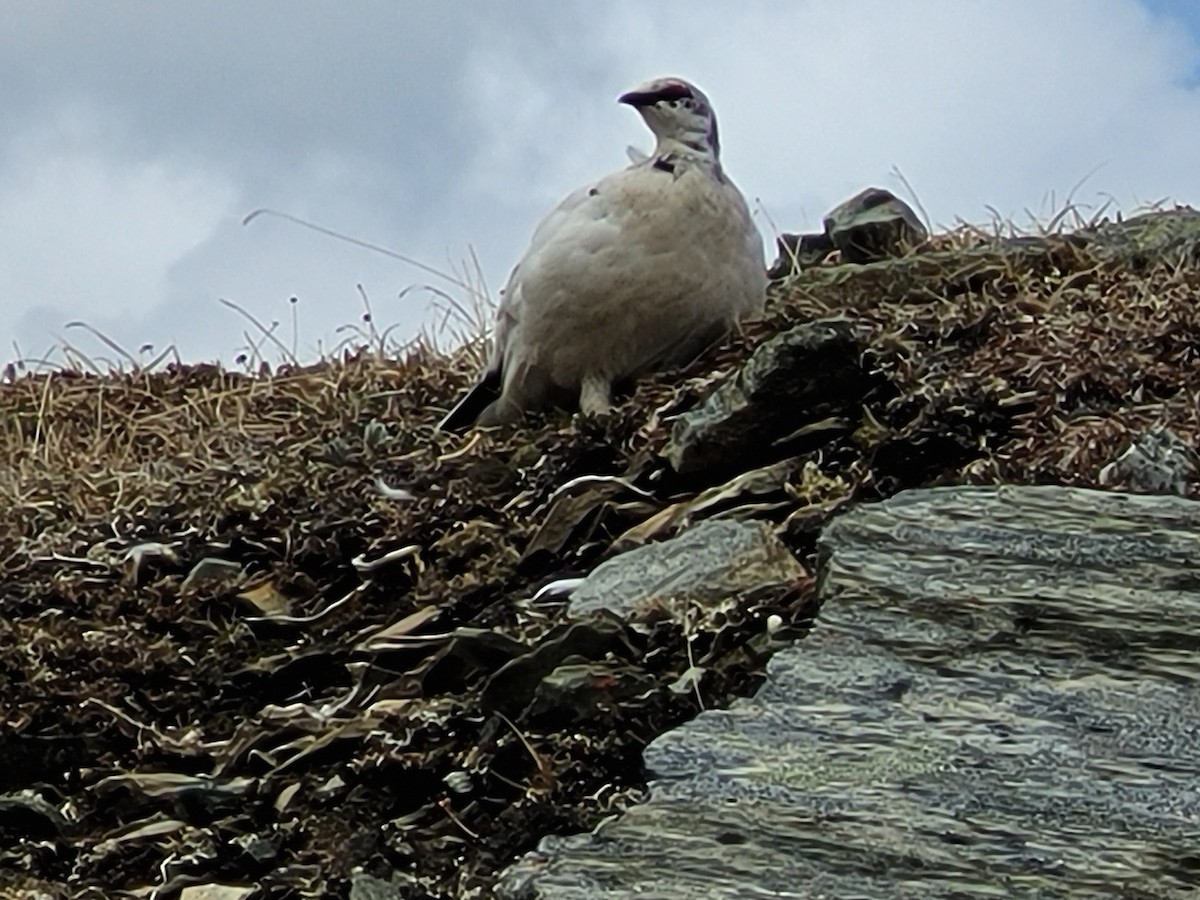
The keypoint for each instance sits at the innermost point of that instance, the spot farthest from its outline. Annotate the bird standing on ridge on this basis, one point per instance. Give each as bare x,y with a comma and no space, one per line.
638,272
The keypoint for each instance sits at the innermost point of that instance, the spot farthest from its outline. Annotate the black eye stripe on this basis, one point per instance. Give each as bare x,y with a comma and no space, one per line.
674,92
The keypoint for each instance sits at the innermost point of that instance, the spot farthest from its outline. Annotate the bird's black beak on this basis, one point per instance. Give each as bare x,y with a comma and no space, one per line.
637,98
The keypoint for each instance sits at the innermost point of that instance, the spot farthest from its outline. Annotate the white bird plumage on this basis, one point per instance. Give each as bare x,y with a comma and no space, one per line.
638,272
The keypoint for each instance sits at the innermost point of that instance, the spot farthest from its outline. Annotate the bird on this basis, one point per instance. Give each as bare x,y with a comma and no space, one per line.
637,272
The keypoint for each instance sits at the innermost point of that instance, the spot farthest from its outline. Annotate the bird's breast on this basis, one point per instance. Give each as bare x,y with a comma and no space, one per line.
641,261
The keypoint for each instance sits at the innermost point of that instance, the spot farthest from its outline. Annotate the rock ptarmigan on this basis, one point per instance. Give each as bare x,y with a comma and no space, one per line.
638,272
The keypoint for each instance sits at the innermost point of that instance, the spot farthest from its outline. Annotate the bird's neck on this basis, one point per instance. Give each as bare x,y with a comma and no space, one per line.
691,147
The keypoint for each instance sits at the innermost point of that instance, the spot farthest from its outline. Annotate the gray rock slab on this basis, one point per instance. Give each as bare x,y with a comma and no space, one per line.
706,565
872,225
800,377
1000,699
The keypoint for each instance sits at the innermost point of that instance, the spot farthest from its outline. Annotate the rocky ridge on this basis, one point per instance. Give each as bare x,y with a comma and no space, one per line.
272,634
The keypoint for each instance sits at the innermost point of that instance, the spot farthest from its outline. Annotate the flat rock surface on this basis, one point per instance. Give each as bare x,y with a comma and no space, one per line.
999,700
705,565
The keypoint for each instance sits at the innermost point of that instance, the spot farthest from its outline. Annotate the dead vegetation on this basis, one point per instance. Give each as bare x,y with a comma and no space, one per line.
248,622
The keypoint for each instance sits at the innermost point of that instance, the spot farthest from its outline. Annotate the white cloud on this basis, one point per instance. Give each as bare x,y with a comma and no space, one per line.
133,147
90,236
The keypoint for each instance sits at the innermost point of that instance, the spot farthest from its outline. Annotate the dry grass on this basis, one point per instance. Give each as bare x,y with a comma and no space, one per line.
82,436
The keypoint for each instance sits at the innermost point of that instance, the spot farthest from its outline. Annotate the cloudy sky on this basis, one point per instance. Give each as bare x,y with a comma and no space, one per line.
136,136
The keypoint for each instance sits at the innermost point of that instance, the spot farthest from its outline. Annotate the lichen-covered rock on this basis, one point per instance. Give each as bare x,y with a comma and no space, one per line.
712,563
1157,461
1169,235
999,699
874,224
807,375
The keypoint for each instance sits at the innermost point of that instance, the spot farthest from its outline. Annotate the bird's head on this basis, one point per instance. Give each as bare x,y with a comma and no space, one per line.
678,113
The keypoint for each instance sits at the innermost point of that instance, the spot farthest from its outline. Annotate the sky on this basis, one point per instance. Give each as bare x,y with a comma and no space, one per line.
135,137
